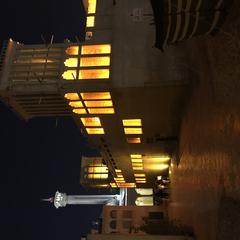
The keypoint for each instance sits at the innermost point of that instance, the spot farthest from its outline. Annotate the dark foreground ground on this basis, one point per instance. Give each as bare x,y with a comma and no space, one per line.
206,183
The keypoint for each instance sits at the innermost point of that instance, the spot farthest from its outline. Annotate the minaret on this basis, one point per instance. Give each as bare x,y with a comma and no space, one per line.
62,199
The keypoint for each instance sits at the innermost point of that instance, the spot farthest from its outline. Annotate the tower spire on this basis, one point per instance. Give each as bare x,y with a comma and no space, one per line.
51,199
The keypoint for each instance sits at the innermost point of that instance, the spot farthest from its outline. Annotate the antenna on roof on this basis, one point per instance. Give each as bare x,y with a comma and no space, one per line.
47,199
51,41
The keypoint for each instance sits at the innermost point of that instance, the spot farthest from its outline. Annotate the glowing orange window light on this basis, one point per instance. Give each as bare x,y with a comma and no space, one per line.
97,176
137,160
113,185
101,110
73,50
91,122
69,75
137,168
132,122
71,62
94,61
79,111
119,179
94,74
118,170
96,49
92,5
137,164
107,103
140,179
133,130
136,155
76,104
71,96
126,185
134,140
119,175
95,131
95,95
139,175
101,169
90,21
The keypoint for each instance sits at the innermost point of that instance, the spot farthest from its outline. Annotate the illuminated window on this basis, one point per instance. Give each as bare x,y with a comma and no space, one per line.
99,103
90,21
95,95
97,176
132,122
101,110
95,130
133,130
126,185
100,169
144,201
136,156
92,4
71,62
79,111
119,175
144,191
76,104
137,164
137,168
118,170
140,179
94,61
96,49
139,175
119,179
134,140
73,50
137,160
69,74
91,122
94,74
113,185
71,96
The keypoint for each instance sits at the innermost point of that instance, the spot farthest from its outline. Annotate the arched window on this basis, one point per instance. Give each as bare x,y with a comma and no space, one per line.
113,224
113,214
144,191
144,201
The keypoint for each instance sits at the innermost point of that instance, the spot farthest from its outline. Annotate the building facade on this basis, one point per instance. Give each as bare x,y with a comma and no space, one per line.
134,222
123,93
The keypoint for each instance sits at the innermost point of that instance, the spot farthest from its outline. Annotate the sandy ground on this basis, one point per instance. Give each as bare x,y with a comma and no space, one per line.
206,184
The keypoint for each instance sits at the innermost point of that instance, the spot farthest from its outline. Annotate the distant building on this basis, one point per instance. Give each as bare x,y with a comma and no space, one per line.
134,222
129,219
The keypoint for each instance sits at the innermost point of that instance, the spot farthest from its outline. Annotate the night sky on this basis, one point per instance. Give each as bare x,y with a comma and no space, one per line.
42,155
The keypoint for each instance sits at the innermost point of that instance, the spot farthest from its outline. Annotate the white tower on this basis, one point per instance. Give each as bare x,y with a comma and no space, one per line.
62,199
